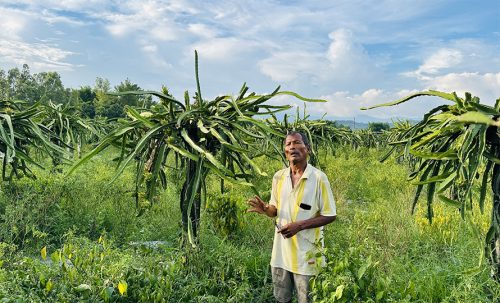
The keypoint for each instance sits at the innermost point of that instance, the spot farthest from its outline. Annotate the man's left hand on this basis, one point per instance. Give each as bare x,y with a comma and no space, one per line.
290,229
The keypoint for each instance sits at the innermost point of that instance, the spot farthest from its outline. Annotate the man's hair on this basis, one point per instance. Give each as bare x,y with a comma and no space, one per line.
302,135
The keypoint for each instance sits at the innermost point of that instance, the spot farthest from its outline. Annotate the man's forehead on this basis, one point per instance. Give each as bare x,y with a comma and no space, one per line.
293,137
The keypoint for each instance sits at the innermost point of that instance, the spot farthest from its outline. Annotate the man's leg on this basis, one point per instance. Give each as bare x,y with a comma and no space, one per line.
282,284
302,287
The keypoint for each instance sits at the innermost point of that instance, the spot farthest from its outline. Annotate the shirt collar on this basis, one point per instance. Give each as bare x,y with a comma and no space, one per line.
305,175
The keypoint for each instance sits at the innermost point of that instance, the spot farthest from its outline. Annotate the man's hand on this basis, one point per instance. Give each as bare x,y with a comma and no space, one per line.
290,229
257,205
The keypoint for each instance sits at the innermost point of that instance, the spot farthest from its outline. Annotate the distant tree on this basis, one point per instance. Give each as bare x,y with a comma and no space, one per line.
88,110
86,94
103,99
336,124
113,111
51,88
87,97
144,101
113,106
4,85
378,126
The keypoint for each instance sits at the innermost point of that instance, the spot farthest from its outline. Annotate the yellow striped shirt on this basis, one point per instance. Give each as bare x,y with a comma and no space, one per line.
313,189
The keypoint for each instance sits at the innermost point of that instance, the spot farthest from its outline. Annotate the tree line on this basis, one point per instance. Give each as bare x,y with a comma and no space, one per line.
90,102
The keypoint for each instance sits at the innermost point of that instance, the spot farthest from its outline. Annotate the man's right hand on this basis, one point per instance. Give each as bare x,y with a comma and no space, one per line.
257,205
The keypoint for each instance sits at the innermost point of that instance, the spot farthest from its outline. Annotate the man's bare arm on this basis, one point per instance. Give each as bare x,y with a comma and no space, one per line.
293,228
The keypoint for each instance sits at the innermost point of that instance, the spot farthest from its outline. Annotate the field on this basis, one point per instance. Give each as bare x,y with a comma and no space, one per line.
76,238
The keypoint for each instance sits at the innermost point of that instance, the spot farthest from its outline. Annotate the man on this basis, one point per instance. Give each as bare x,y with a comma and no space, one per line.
302,202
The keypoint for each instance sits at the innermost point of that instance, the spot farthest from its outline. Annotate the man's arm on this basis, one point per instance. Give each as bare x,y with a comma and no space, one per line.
258,206
293,228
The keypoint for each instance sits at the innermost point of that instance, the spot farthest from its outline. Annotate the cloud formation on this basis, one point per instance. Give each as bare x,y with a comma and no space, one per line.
354,52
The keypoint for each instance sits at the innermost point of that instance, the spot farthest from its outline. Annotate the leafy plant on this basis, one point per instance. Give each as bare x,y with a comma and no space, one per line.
20,132
205,136
455,145
224,212
70,128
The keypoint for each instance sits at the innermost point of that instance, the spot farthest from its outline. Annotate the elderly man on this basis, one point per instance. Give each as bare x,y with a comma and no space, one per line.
302,202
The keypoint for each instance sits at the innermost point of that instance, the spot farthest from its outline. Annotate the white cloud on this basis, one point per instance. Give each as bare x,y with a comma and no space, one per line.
346,104
12,23
75,5
344,61
485,86
38,55
148,18
154,56
343,52
150,48
441,59
219,49
202,30
287,66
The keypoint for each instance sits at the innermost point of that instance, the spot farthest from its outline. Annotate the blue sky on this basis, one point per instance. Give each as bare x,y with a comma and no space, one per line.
352,53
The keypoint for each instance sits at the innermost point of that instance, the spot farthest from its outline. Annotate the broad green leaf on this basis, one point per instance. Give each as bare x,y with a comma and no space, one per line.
446,96
484,185
135,115
204,153
476,117
447,182
450,201
447,155
491,157
82,287
253,165
192,192
184,152
200,99
299,96
431,188
435,178
420,187
138,148
201,127
485,109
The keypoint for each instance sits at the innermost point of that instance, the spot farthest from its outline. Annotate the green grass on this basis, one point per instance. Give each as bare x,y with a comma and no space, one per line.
377,250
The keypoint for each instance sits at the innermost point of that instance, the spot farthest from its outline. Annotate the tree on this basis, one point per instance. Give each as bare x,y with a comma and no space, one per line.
50,88
378,126
86,94
454,145
216,136
102,97
144,101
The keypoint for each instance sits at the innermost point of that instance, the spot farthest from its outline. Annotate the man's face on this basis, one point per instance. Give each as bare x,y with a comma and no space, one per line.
295,149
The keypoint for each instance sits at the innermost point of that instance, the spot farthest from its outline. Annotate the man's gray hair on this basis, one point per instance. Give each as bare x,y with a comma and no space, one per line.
302,135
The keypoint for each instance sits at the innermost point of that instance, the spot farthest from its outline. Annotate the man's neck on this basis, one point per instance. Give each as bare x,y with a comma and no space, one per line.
297,169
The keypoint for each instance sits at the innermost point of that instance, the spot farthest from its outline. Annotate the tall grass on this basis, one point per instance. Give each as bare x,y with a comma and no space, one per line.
377,250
